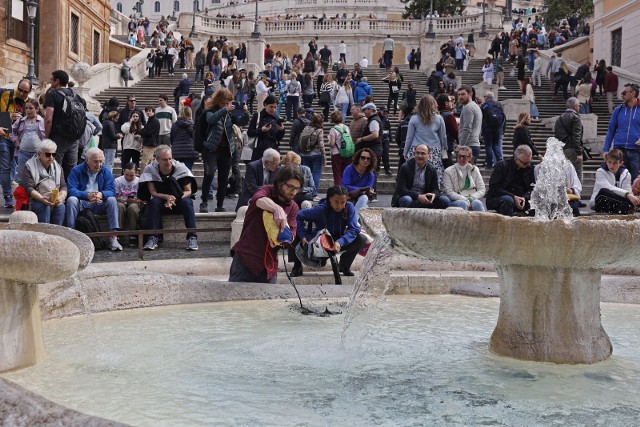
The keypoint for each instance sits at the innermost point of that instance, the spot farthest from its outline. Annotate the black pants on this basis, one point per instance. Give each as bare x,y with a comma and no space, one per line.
393,98
319,81
609,202
348,252
385,157
129,155
240,273
212,160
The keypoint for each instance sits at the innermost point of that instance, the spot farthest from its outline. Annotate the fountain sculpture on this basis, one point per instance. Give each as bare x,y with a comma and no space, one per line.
549,270
32,254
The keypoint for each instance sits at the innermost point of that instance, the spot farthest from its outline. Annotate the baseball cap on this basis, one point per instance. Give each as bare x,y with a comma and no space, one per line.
370,106
384,109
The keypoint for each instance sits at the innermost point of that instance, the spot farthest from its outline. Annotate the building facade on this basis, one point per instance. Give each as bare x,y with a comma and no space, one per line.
66,32
615,34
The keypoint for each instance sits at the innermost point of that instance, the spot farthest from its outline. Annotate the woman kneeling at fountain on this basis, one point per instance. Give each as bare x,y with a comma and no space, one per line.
43,180
612,190
339,217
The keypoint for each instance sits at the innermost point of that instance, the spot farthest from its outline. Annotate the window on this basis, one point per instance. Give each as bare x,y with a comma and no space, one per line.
215,1
176,6
74,34
119,7
18,20
96,47
138,7
156,7
616,47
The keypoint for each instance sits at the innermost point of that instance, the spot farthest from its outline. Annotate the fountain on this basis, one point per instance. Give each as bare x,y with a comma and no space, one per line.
32,254
549,270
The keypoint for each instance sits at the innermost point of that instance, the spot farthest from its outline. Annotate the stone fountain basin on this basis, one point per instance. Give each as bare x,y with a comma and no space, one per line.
452,235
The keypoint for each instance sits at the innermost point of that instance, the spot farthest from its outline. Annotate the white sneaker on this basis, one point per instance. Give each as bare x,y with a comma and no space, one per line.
502,88
114,245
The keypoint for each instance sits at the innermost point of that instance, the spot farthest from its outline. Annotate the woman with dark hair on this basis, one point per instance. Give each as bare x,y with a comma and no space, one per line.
520,64
358,177
338,216
132,140
522,136
601,72
583,93
442,89
312,148
219,145
308,91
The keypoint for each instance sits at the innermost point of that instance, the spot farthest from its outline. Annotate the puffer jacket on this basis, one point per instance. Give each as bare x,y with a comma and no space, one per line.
217,119
182,140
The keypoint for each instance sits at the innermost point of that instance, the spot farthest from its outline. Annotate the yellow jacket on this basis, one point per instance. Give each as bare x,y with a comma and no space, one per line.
7,101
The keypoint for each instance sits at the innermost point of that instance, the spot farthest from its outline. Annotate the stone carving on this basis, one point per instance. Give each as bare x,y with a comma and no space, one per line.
81,72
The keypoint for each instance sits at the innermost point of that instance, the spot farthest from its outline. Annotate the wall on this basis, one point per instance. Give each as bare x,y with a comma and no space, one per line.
14,55
610,15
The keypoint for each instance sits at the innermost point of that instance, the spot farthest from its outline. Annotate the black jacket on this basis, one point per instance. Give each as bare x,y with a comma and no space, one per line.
109,134
182,140
269,139
296,130
522,136
507,180
406,174
151,132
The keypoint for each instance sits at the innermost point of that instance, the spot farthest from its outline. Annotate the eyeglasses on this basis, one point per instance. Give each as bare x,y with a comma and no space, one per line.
624,92
464,156
365,158
291,187
523,162
51,154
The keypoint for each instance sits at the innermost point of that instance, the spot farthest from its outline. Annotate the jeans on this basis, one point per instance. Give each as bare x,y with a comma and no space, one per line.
199,72
6,165
632,162
216,70
362,202
169,59
109,158
242,97
492,146
220,160
184,206
278,71
23,157
344,107
291,107
476,205
315,163
441,202
108,207
537,78
505,205
48,214
388,57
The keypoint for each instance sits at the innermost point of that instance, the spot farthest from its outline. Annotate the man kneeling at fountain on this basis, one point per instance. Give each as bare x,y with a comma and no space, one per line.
339,217
511,184
254,259
168,185
91,186
417,185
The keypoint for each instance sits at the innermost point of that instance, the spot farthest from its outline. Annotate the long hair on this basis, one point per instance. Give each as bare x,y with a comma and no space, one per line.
372,164
427,108
526,82
221,96
523,120
286,173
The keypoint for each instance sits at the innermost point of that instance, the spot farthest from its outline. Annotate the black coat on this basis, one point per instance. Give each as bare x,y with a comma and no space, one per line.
151,132
507,180
109,134
522,136
182,140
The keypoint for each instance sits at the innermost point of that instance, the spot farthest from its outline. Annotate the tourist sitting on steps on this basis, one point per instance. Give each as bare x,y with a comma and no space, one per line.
612,190
463,183
511,183
258,173
417,185
129,206
167,185
254,259
339,217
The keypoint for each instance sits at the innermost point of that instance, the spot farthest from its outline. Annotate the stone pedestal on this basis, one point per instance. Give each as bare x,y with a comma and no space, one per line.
237,224
589,127
550,315
482,88
513,107
255,55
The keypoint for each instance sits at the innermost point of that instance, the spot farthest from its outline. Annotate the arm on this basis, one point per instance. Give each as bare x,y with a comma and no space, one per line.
576,131
73,185
353,228
48,121
279,216
251,178
411,132
348,178
466,126
498,179
442,133
94,121
480,187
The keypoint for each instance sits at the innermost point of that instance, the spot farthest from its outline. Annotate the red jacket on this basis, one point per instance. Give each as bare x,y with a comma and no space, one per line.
610,82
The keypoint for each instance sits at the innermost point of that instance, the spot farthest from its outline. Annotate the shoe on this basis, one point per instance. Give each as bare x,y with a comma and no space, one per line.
133,241
297,269
152,244
232,196
388,173
502,88
221,209
210,196
204,207
347,272
374,200
114,245
192,244
8,203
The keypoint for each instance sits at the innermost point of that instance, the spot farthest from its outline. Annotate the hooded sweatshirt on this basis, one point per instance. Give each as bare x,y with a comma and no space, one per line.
343,225
619,183
624,129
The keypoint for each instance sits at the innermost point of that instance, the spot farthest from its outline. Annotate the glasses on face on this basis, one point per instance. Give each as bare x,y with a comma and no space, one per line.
50,155
292,188
132,100
523,162
365,158
464,156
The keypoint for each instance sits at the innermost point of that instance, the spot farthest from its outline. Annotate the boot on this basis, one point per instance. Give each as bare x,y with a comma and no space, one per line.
296,271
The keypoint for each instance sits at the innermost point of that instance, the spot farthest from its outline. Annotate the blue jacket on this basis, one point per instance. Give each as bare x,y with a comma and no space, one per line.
79,178
343,225
353,181
361,91
624,129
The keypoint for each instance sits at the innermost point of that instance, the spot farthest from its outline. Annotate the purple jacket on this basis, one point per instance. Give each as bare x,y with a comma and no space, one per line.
19,127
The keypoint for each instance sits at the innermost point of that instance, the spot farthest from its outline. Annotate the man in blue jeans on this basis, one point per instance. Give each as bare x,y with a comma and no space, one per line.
493,121
91,186
167,185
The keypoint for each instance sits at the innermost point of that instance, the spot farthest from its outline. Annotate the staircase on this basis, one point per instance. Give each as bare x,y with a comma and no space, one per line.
147,92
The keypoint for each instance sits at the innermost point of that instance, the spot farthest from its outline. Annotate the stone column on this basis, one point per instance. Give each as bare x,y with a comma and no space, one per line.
255,55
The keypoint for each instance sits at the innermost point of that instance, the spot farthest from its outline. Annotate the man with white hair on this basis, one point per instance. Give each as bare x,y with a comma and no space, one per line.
259,172
91,186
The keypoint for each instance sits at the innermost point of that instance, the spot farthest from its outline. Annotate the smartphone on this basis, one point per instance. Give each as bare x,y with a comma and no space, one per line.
279,122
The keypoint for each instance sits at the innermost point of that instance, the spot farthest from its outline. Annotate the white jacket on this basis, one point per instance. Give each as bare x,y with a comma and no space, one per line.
606,179
454,179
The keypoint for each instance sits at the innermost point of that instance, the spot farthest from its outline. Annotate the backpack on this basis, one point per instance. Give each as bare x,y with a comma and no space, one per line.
293,87
200,127
306,144
495,115
346,148
86,222
73,120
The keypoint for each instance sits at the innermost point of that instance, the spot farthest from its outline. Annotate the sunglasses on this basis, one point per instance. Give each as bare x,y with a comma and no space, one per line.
51,154
365,158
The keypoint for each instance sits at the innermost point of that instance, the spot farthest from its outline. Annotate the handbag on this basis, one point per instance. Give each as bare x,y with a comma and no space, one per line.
325,98
403,105
247,150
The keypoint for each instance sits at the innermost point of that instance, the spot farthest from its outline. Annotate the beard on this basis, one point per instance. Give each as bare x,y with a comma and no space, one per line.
282,195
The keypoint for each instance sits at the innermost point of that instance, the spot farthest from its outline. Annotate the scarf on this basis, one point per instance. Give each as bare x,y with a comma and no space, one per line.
38,172
466,183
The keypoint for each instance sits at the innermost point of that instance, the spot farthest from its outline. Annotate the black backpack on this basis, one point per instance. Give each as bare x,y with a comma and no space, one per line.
495,116
73,119
86,222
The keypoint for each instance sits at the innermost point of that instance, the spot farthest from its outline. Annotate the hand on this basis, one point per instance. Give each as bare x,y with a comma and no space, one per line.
59,200
170,202
336,247
579,159
3,131
280,218
46,201
245,108
119,135
635,201
266,128
519,201
280,126
16,116
604,156
230,107
304,241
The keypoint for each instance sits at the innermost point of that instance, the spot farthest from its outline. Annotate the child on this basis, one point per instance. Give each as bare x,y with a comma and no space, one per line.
612,190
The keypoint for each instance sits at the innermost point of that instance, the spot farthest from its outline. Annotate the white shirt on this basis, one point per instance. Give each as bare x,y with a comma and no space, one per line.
261,88
342,48
364,63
